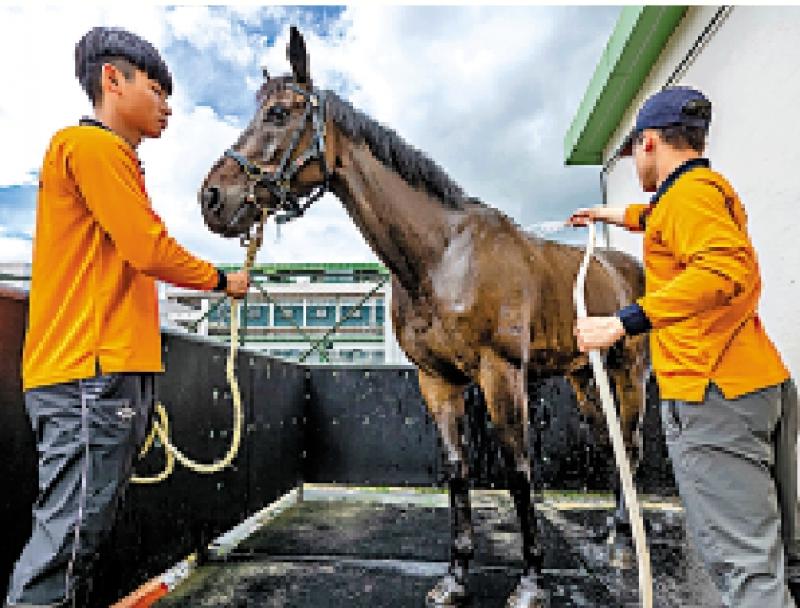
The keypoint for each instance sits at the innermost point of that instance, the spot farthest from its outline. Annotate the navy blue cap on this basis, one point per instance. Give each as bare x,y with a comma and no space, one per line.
669,107
101,43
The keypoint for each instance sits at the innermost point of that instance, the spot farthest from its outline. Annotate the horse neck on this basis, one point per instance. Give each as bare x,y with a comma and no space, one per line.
406,227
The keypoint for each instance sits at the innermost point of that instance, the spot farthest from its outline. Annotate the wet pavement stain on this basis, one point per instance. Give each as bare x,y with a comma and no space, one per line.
320,554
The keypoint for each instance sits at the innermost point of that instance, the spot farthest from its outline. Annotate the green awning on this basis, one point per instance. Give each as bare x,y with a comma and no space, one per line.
637,41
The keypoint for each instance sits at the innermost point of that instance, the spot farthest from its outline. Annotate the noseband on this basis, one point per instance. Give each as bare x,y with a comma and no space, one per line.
279,182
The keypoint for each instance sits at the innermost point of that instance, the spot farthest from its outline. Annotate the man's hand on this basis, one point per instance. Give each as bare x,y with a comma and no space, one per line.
598,332
610,215
238,284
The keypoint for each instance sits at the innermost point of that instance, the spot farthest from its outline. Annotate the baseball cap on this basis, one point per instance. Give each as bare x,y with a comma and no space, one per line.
669,107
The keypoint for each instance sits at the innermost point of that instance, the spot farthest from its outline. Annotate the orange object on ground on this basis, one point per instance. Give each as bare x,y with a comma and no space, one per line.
145,596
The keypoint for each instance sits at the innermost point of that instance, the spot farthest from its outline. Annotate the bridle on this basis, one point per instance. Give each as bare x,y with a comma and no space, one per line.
279,182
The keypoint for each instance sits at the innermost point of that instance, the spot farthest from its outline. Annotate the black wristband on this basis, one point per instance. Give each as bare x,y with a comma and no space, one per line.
634,320
222,281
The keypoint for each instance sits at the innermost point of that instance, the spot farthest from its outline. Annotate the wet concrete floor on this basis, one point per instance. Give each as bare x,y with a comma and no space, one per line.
364,550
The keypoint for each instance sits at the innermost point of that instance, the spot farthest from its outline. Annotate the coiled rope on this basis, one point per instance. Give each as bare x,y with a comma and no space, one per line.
160,427
607,400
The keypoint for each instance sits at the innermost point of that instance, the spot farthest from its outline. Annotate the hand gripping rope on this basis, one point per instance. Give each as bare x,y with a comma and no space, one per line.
601,379
160,426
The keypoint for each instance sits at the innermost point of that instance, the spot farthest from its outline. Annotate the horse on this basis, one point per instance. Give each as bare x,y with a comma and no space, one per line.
475,299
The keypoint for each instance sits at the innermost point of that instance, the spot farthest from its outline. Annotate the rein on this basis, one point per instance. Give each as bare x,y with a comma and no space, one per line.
279,182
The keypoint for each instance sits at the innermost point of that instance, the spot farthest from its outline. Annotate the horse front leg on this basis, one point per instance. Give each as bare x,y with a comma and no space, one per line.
445,402
505,391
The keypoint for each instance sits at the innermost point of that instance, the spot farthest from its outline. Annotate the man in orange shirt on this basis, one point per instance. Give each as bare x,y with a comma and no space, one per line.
729,407
93,343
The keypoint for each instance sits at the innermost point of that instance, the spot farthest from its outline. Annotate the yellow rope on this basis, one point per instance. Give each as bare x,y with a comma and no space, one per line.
160,426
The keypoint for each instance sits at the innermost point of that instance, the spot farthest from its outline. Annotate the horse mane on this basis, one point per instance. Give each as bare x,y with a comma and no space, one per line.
388,147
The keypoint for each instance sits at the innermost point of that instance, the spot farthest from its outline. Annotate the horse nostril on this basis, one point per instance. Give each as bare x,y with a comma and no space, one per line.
211,198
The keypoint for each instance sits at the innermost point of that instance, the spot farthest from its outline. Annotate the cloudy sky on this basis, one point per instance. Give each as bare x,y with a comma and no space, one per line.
488,93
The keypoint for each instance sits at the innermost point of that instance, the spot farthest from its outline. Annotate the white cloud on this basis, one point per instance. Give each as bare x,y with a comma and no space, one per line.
14,249
40,92
47,97
210,29
487,92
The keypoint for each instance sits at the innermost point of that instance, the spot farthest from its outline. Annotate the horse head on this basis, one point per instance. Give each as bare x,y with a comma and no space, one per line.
278,164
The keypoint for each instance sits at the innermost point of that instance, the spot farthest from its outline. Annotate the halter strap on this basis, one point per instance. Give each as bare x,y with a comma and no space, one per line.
278,182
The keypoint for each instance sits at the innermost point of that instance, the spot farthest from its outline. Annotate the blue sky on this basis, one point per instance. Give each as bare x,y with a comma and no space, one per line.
216,88
487,92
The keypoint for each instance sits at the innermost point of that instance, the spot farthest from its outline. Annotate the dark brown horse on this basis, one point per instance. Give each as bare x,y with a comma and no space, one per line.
475,298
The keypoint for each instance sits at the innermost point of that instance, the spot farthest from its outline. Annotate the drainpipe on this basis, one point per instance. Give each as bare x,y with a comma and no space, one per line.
604,194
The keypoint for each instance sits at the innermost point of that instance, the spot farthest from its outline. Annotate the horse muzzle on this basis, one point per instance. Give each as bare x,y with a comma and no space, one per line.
228,210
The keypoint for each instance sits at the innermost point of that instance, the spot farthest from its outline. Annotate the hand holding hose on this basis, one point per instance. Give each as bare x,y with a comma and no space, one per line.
238,284
609,215
598,332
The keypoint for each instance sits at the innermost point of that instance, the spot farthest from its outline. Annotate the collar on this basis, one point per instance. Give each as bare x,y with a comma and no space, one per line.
672,177
88,121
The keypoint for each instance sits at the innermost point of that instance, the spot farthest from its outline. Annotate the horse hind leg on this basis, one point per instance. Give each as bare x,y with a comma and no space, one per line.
505,392
629,397
445,402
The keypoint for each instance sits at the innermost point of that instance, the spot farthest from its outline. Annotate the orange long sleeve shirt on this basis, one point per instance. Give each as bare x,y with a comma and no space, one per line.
702,289
98,248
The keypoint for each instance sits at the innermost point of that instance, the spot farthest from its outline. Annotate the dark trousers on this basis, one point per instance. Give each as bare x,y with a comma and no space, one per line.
87,433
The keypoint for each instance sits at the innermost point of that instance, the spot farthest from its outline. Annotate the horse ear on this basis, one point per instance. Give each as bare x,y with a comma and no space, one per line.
297,55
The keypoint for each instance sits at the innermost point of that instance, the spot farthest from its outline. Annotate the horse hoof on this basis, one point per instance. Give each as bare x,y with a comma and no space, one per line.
528,594
447,592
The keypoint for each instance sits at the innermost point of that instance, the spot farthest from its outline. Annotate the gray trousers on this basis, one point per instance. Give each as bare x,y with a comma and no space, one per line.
87,433
735,462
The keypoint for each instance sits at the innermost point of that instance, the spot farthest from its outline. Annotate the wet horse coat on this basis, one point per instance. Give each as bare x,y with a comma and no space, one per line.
475,298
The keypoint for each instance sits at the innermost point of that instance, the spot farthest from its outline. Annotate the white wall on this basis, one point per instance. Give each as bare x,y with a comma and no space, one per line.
750,70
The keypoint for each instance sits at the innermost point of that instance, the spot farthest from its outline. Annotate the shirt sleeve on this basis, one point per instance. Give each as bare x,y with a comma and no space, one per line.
716,256
633,217
110,183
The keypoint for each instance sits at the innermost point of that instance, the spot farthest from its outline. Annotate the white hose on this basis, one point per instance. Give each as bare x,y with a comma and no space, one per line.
607,400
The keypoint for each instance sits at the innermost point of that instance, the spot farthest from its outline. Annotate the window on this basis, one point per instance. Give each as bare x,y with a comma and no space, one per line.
354,317
257,314
220,314
288,314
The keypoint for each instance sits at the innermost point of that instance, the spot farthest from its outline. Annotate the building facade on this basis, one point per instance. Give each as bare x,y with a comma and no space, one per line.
747,61
334,313
316,313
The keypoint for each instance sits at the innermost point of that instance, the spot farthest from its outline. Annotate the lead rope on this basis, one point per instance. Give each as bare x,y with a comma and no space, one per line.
607,400
160,426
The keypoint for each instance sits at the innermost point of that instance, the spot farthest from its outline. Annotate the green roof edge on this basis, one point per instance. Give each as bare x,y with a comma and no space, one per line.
634,46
